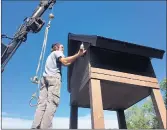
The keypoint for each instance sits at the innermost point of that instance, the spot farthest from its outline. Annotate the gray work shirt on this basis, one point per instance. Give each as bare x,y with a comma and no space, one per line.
53,65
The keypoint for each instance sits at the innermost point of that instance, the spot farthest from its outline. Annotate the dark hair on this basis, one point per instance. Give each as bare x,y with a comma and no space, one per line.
57,45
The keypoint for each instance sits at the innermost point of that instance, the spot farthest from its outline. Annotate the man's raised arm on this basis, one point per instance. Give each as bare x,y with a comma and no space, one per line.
70,59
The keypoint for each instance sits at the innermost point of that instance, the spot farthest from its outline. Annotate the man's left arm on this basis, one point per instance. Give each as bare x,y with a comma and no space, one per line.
59,55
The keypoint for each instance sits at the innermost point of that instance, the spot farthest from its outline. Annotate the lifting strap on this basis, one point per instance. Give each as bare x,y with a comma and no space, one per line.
35,79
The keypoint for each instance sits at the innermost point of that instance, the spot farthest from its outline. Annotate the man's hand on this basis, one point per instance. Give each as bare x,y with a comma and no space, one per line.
81,52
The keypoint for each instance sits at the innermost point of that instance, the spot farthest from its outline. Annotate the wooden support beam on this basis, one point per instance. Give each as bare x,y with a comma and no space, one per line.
119,79
124,75
121,119
96,104
74,117
159,107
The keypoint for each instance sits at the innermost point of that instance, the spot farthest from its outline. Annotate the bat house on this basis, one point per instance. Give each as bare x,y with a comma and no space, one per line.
112,75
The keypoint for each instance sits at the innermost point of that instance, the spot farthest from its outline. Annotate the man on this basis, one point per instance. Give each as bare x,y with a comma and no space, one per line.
50,86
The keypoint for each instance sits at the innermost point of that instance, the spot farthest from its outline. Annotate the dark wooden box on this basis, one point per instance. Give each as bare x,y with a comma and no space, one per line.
124,70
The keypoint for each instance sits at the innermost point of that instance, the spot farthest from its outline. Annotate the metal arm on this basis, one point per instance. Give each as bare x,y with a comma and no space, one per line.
32,24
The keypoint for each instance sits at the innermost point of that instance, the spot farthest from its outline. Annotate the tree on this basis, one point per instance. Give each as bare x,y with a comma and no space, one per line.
163,86
143,116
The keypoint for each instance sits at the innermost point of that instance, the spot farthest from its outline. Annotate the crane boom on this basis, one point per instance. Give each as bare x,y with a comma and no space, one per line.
32,24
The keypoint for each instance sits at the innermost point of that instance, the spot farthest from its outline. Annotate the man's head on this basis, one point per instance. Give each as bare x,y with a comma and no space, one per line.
57,47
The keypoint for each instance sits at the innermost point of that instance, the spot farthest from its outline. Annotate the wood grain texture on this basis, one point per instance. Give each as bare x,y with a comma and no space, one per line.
96,104
123,75
123,80
159,107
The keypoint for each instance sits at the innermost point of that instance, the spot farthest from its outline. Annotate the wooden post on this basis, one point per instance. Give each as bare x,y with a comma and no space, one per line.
96,104
74,117
121,119
159,107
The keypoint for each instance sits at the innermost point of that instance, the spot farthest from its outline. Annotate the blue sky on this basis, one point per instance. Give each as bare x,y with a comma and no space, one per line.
142,23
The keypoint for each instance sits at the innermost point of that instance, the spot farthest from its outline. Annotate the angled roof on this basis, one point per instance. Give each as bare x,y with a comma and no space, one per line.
111,44
116,45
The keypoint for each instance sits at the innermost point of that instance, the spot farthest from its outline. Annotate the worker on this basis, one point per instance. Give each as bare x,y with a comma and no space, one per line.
50,85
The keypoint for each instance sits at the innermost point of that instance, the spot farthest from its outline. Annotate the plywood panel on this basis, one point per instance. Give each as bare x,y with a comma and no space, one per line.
86,78
122,62
80,71
123,95
115,95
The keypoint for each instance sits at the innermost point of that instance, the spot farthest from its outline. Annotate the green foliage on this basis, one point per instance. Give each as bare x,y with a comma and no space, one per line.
163,86
143,116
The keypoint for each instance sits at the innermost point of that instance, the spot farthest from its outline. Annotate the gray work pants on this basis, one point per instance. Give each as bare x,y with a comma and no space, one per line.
48,102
